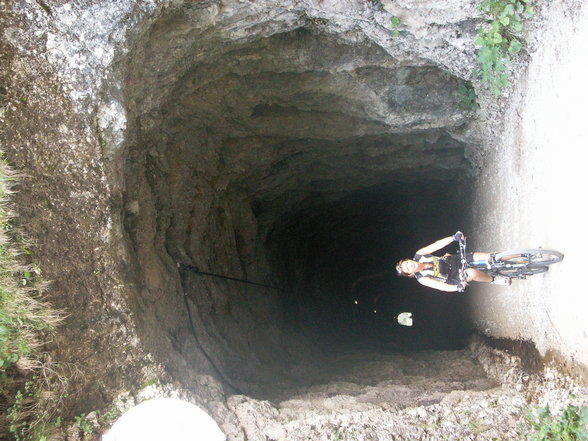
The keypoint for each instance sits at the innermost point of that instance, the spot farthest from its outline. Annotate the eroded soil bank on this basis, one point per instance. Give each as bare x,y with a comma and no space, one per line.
300,145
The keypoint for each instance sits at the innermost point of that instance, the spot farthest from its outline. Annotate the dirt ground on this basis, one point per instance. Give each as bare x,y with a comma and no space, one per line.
531,193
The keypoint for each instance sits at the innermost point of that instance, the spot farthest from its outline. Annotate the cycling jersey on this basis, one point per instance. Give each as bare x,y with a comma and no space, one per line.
445,269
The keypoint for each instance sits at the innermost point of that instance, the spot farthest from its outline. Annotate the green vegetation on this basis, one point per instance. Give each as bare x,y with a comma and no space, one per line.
342,434
29,386
395,23
570,425
150,382
477,428
84,425
34,414
109,417
22,314
467,94
498,41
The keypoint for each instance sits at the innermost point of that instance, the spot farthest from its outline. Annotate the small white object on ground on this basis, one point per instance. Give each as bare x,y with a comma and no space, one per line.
405,318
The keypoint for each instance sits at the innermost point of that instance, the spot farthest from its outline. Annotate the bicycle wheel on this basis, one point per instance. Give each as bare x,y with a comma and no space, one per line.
531,256
521,273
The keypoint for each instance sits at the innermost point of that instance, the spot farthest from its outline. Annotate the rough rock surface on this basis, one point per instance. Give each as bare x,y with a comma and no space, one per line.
153,133
533,205
433,395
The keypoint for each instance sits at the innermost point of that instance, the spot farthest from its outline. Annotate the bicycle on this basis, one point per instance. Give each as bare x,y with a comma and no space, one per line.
514,264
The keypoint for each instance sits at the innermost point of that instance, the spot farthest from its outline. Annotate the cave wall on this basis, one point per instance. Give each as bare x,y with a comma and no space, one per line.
230,137
153,133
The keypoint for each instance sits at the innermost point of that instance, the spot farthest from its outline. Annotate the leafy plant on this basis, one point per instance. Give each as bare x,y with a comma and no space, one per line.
498,42
467,94
108,418
34,413
395,23
84,425
570,425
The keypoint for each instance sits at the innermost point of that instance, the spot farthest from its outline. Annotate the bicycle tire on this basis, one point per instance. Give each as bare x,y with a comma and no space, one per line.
530,256
521,273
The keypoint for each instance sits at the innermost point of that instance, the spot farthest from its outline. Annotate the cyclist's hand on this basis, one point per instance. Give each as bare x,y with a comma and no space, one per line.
457,236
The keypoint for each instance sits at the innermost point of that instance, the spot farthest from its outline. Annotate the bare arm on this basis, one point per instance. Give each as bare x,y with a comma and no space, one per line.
441,243
436,284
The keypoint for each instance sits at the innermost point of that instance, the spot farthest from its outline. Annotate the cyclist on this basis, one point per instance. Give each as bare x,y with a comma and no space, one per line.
442,273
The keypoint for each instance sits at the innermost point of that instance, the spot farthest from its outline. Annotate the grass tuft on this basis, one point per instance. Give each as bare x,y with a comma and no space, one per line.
29,381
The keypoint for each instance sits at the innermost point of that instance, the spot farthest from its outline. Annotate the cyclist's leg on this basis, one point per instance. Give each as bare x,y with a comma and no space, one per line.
477,276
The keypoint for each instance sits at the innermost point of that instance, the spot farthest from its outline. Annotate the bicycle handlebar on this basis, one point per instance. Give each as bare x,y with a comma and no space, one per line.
464,264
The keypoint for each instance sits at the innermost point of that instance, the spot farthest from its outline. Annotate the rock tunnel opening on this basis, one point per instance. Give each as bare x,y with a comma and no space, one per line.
337,261
293,157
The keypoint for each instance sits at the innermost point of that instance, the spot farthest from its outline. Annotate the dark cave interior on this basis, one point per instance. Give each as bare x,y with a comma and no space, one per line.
304,160
337,261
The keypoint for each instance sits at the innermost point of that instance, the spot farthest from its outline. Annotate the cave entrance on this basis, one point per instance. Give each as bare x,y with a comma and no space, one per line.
291,156
337,261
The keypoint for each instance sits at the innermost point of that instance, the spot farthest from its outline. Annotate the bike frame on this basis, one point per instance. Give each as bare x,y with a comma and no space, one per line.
514,264
491,268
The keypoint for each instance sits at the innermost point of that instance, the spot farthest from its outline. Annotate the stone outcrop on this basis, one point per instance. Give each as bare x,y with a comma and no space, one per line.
294,144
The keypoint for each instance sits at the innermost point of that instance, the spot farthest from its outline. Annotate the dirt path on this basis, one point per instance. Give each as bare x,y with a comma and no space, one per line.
532,193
